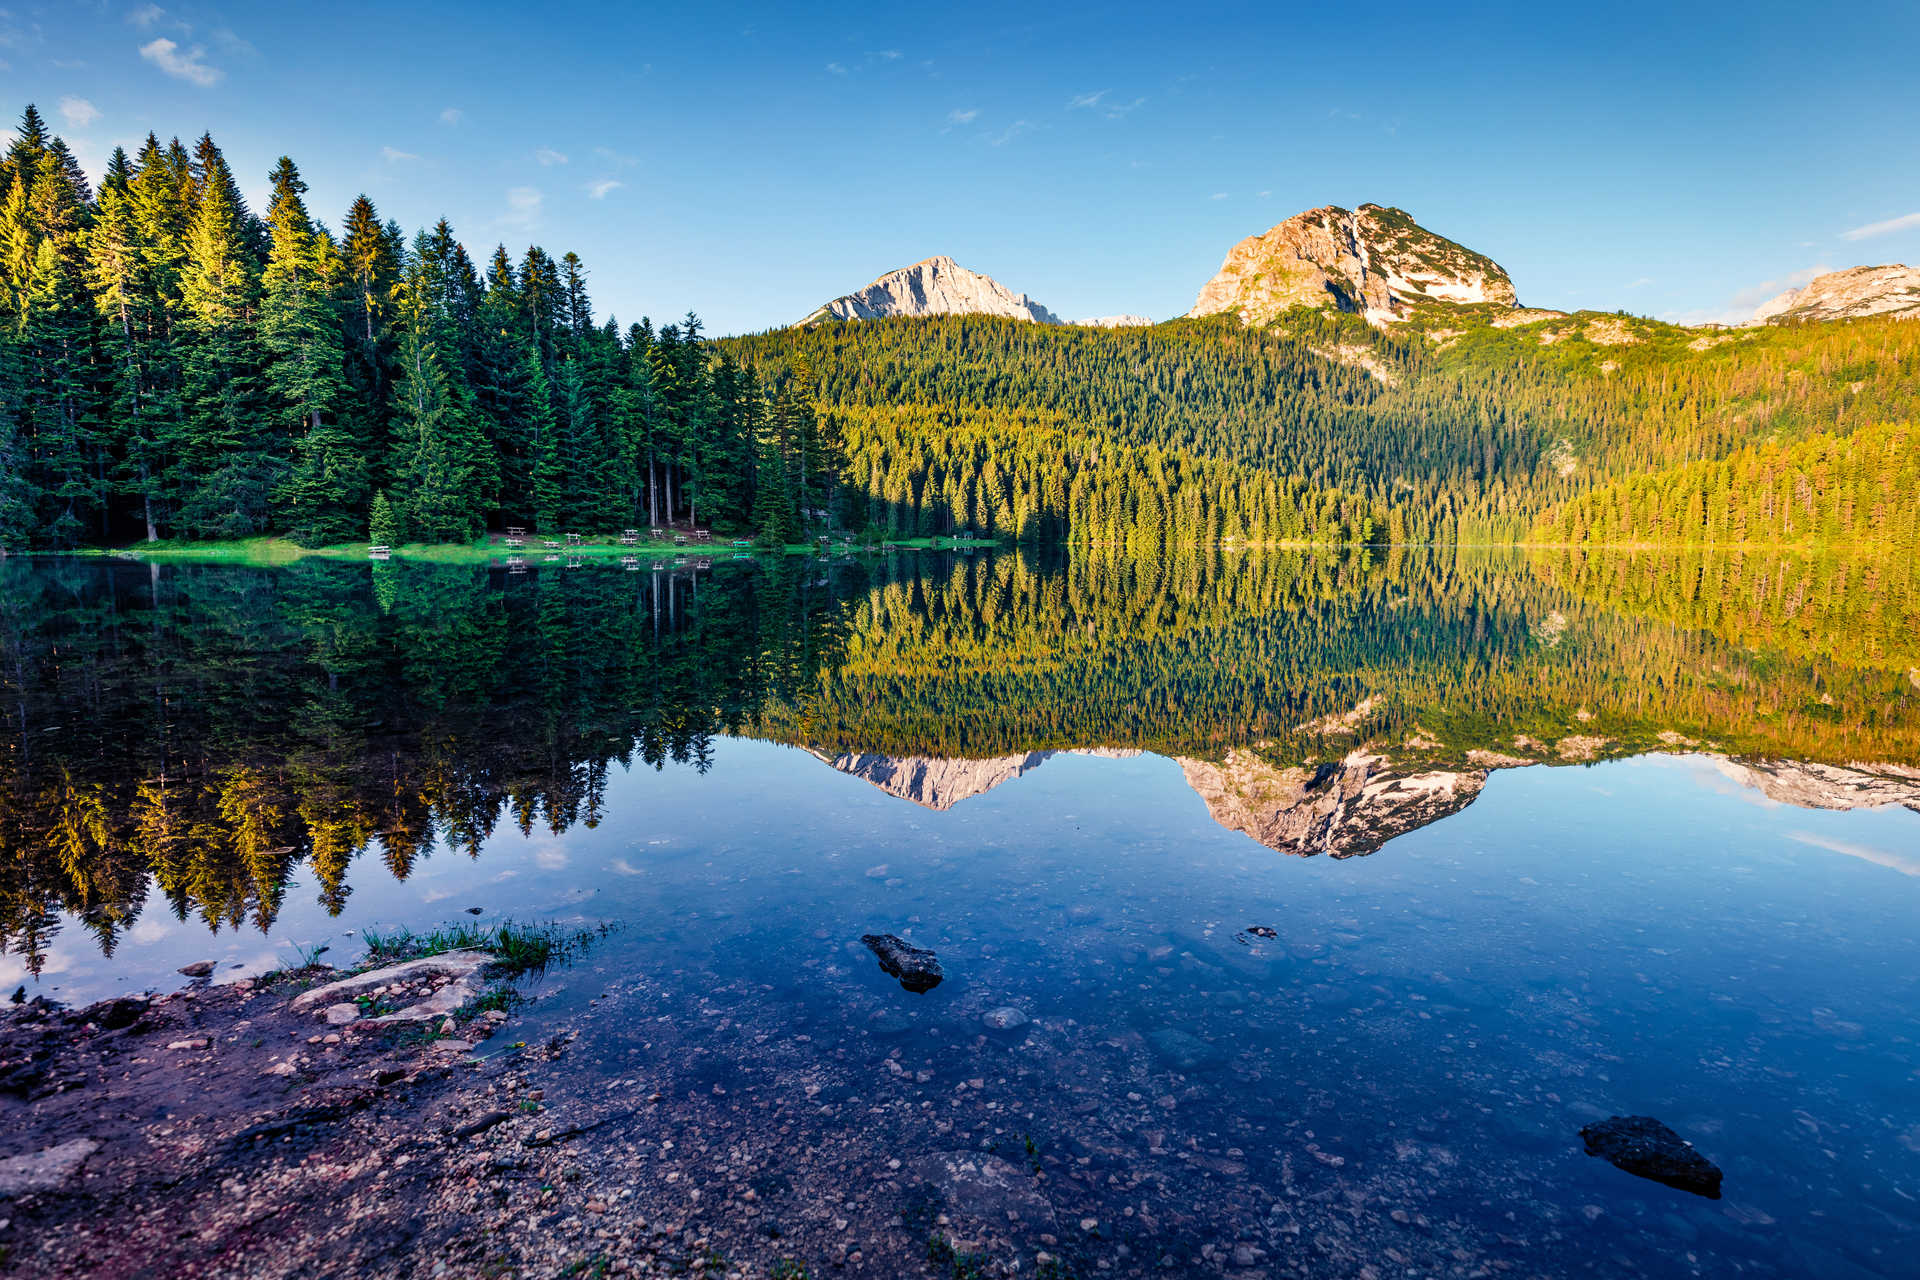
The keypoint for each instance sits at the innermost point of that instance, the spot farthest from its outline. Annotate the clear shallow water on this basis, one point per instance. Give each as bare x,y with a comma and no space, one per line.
1424,1036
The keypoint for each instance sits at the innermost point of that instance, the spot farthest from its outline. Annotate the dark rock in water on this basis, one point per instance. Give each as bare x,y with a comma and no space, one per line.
916,967
20,994
474,911
121,1013
198,969
1187,1052
1643,1146
1262,931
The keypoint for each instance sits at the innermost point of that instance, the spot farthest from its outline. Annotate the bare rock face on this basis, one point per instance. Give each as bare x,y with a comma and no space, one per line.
1117,322
936,286
930,781
1892,290
1341,810
1373,261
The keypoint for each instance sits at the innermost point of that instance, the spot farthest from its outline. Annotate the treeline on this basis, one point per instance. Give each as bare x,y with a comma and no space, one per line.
1026,475
173,365
1820,491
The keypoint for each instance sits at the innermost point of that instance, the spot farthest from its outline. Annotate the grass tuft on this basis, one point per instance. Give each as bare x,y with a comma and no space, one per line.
520,948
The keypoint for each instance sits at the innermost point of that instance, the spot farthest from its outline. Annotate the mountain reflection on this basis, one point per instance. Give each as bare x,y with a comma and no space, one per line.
209,729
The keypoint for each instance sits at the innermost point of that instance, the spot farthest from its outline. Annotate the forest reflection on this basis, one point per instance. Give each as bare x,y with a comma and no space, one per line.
207,730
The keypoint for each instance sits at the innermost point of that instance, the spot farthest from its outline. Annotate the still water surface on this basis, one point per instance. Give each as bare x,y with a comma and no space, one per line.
1082,784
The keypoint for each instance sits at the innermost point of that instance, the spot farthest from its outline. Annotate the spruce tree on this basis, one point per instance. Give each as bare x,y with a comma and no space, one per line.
383,522
300,334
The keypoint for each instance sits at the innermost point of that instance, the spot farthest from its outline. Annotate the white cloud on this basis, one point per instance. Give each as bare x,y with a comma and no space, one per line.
1904,222
146,15
166,55
229,40
967,116
598,190
450,116
615,158
394,155
523,207
1011,132
836,68
888,55
547,156
1218,195
1641,283
78,112
550,859
1098,101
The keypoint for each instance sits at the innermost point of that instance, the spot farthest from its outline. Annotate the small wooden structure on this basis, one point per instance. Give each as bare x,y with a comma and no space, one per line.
379,551
516,564
573,539
553,544
742,542
656,533
629,537
516,536
679,539
703,535
630,563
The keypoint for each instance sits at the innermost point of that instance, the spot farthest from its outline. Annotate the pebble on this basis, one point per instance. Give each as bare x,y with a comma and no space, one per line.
1005,1018
199,1043
339,1015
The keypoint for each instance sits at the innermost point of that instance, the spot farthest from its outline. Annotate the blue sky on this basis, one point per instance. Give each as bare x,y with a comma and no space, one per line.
751,161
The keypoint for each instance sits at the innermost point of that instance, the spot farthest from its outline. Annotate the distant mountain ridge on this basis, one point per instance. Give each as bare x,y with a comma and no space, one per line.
935,286
1375,262
1891,290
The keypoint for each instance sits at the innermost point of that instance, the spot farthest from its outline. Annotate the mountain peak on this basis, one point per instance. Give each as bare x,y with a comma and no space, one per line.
1375,261
936,286
1891,290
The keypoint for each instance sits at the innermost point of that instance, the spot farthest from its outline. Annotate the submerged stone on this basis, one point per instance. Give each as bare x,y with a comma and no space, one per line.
1005,1018
917,968
1184,1050
1646,1148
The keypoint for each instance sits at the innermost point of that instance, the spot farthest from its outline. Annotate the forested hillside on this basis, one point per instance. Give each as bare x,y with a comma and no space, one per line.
1468,428
174,365
1823,490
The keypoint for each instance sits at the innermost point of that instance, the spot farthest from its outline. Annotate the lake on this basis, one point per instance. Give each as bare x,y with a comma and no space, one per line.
1296,910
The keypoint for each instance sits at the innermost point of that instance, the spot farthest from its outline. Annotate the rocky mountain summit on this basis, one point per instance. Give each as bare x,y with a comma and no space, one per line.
1372,261
1117,322
936,286
1892,290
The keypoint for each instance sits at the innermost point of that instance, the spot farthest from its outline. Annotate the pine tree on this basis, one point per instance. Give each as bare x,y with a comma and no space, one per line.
300,334
383,522
446,479
225,468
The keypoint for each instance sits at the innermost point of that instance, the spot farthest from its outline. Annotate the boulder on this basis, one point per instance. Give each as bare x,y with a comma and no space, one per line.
916,967
1646,1148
